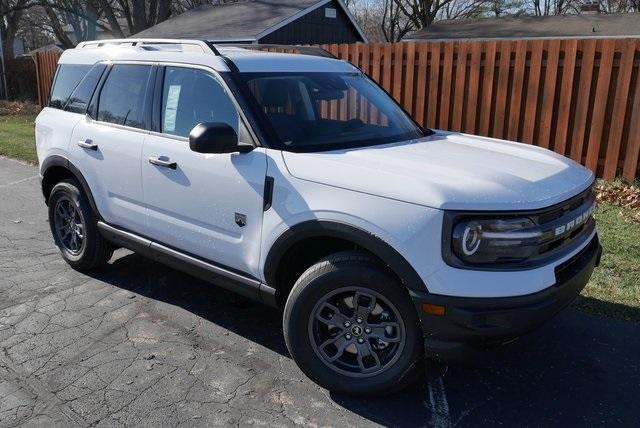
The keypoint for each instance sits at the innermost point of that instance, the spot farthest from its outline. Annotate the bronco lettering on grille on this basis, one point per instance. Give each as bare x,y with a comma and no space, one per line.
575,222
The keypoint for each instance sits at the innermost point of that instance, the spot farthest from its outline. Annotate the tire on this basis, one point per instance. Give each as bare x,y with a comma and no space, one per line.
89,249
320,303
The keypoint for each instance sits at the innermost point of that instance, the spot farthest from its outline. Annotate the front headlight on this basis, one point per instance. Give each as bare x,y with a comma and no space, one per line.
486,241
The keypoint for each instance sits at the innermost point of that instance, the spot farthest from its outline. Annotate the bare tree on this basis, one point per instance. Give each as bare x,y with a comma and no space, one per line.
34,28
463,9
395,23
10,17
82,19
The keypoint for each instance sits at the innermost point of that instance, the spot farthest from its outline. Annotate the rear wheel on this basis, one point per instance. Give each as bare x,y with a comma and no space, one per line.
74,227
351,327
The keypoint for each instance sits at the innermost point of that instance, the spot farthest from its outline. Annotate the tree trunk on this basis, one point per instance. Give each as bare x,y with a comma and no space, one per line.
139,16
116,30
56,26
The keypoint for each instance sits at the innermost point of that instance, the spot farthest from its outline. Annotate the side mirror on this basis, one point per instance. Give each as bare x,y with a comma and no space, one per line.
216,137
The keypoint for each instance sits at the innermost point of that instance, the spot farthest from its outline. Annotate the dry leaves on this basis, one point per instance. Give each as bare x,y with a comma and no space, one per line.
621,194
17,107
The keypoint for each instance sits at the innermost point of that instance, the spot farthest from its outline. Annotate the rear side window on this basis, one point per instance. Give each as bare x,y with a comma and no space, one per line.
67,78
123,95
81,96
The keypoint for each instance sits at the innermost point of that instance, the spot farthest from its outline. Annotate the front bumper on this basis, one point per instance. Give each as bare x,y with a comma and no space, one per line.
486,321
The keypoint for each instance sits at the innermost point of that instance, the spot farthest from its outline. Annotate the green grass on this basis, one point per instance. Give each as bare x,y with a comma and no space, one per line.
614,289
17,138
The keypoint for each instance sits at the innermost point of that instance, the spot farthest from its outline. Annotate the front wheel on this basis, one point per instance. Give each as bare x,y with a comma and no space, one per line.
351,327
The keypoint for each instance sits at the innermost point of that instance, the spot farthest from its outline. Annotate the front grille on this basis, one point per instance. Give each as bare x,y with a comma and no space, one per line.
565,223
557,211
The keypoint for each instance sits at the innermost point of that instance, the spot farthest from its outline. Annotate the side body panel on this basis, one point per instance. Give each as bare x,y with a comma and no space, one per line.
195,207
53,132
112,171
412,230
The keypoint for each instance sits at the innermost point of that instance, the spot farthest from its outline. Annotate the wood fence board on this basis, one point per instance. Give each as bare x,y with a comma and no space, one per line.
516,91
487,87
398,66
375,75
582,105
632,154
600,104
619,108
364,66
386,66
533,89
434,85
409,80
447,75
459,86
502,94
549,92
570,48
421,84
474,87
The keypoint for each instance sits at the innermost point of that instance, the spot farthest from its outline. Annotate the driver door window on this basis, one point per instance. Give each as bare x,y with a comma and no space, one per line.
192,96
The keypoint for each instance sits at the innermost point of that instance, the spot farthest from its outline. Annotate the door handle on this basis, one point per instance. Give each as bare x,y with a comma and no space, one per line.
88,144
166,163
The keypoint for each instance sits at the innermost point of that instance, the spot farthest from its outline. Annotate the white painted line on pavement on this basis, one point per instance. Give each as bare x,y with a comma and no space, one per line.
440,417
13,183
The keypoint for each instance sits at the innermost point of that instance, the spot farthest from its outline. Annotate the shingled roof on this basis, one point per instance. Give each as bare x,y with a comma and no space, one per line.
245,20
527,27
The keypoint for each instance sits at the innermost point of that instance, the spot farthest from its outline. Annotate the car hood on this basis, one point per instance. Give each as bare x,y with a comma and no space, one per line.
449,171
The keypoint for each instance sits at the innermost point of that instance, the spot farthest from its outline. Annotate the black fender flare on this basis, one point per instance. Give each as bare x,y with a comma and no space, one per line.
368,241
60,161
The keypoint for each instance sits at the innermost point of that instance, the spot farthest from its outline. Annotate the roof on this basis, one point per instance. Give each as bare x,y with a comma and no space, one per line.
245,20
196,52
588,25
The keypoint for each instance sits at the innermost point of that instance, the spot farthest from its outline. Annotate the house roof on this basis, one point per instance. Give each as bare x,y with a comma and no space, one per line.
587,25
245,20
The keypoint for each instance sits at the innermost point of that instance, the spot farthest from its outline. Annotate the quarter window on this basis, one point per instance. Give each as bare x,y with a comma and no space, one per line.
67,78
192,96
81,96
123,95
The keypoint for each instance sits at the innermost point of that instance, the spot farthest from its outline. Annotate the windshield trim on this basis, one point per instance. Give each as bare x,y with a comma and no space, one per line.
270,139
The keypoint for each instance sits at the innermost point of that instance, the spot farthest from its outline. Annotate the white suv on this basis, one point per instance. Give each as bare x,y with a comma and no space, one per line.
296,181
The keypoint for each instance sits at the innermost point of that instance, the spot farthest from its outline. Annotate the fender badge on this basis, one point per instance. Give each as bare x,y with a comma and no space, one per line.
241,220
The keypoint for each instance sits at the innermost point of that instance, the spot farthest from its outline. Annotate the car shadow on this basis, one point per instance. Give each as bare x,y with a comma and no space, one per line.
578,369
156,281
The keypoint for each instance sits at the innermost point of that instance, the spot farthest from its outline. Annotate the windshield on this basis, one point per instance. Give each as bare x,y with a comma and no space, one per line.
327,111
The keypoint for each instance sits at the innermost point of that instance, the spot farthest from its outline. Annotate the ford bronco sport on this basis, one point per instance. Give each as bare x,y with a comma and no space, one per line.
297,181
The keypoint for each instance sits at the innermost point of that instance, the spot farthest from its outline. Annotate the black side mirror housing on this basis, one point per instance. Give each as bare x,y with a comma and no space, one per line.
216,137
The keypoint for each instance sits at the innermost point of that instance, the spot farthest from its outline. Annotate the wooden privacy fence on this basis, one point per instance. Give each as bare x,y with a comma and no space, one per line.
580,98
46,63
